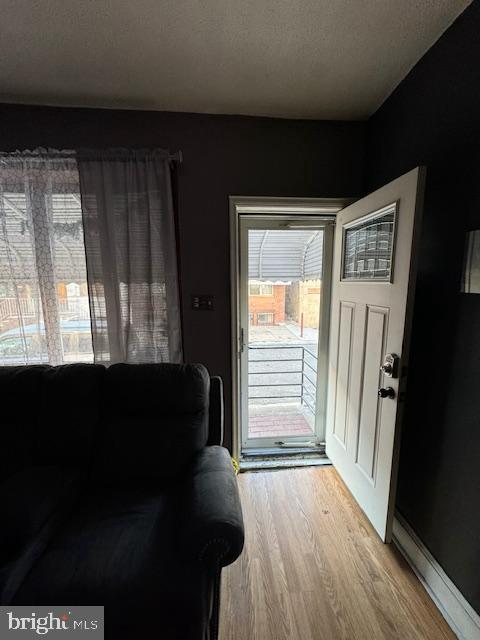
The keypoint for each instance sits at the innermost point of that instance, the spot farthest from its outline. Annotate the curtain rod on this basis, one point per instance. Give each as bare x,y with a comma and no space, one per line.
177,156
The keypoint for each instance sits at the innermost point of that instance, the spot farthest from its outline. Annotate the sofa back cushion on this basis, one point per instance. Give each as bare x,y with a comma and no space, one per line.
155,418
49,416
20,394
69,414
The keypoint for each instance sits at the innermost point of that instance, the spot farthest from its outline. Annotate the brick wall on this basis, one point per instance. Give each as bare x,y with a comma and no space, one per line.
268,304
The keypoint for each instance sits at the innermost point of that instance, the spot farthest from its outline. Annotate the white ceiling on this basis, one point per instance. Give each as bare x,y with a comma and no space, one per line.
326,59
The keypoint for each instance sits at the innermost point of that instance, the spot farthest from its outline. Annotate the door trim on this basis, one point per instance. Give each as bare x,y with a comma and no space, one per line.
261,206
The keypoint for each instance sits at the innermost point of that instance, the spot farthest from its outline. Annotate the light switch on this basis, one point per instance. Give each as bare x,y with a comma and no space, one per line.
202,303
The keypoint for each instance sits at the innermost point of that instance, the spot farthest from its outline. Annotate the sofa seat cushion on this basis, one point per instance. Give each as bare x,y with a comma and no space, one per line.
35,501
120,550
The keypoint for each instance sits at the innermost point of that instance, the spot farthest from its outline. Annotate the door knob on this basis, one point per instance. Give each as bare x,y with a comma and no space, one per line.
390,366
386,392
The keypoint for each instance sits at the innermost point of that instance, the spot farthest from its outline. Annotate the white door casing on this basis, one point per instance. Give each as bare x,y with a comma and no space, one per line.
369,319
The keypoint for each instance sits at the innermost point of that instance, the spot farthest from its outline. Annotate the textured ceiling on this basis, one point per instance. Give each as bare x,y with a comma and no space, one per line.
328,59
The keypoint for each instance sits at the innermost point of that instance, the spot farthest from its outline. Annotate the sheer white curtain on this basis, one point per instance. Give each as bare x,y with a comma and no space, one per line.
87,255
44,312
131,255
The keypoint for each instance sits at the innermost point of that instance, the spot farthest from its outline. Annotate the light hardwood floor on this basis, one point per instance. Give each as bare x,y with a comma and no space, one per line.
313,568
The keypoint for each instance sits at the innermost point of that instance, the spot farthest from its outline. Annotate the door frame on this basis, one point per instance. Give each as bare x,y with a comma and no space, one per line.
261,206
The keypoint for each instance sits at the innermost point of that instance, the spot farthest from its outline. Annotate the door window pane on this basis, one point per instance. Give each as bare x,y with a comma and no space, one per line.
368,248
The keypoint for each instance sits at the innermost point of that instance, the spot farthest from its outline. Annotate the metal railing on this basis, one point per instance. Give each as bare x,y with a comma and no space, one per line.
307,370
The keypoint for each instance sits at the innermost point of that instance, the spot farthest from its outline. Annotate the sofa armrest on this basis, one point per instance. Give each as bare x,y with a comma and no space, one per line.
212,522
215,421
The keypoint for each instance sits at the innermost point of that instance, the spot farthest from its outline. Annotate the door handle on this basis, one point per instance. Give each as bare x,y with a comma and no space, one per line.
242,341
386,392
389,367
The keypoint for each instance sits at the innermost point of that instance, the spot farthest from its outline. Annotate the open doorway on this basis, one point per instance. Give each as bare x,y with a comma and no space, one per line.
282,273
283,258
284,323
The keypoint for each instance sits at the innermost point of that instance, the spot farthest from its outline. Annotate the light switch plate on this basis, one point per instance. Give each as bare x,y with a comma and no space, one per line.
202,302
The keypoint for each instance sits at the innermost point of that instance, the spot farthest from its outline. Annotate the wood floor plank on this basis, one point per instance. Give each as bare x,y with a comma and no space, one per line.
313,568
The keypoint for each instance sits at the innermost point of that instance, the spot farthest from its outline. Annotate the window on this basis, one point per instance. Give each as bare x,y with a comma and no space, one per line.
265,318
368,247
261,289
44,309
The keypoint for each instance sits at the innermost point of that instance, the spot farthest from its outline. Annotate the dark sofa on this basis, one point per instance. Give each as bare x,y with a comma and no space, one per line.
115,491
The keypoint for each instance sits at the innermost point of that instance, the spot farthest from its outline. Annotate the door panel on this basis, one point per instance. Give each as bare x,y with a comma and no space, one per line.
372,293
374,344
343,368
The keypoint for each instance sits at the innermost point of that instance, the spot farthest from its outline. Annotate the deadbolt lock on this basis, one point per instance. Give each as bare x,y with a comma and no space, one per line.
390,365
386,392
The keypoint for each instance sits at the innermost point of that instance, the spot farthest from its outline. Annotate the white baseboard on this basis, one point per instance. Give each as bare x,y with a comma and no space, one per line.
462,618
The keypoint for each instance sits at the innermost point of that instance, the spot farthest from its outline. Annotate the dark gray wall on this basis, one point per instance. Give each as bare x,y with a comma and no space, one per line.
223,155
433,119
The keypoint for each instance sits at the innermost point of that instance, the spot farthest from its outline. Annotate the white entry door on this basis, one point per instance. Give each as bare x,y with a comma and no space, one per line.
372,296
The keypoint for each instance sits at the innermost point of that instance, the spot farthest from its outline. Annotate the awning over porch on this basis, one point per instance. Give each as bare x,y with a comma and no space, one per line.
285,255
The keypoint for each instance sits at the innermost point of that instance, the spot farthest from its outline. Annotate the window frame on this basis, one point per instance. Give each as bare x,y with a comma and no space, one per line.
261,290
390,208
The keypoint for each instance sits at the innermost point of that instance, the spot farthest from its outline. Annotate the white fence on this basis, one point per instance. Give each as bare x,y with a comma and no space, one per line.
69,308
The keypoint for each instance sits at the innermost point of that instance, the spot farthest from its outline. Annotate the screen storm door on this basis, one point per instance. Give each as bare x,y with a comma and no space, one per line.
285,269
